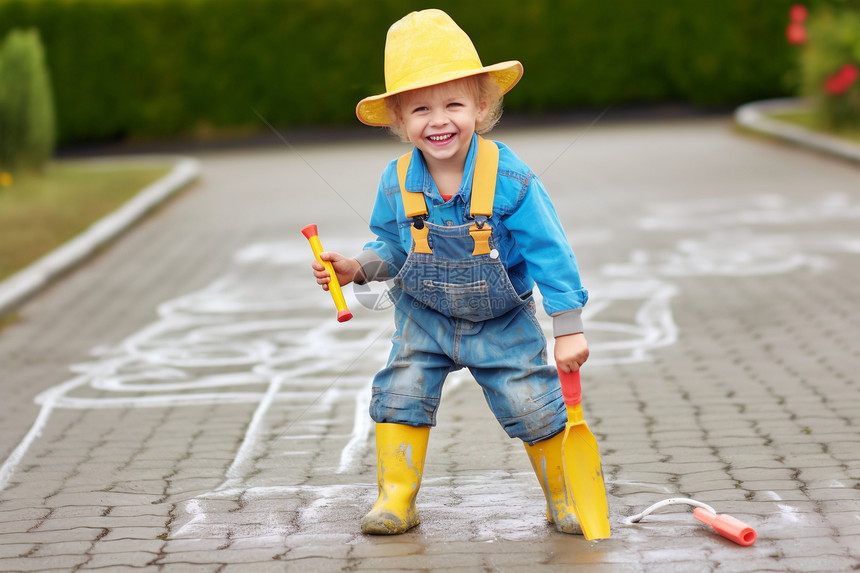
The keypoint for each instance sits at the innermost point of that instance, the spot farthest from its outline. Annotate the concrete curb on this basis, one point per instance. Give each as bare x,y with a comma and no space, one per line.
753,116
26,283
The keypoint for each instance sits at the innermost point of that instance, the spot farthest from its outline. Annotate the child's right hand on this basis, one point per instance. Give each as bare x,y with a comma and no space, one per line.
347,270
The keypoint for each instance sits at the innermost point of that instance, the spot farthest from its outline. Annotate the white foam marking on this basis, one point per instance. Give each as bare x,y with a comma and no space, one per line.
361,427
50,396
244,456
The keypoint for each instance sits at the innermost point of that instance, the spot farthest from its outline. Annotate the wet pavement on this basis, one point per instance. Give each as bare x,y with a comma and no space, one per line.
187,400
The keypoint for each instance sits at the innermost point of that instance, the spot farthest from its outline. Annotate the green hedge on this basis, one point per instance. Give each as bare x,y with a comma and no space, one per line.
161,67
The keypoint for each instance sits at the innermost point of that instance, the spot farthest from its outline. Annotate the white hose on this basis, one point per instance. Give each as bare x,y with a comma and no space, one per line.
672,501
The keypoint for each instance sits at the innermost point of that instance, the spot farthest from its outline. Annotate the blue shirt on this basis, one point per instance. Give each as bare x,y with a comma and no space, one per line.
527,231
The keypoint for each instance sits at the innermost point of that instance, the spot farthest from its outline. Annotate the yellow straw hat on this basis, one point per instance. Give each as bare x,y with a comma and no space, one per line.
427,48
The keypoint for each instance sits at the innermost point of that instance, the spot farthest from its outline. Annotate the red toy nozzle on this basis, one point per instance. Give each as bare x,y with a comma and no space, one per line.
344,315
727,526
309,231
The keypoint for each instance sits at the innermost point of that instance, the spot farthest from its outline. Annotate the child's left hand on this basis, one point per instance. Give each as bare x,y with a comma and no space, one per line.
571,352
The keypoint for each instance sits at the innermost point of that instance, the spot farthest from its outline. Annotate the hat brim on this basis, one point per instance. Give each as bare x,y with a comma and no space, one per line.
372,110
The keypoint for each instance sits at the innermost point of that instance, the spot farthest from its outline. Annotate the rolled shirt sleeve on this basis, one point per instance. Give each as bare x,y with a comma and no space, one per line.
540,239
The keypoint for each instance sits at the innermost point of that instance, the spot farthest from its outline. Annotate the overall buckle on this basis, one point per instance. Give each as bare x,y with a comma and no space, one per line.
419,235
480,232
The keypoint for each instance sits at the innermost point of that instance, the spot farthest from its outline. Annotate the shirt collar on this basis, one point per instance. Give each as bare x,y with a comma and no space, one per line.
418,176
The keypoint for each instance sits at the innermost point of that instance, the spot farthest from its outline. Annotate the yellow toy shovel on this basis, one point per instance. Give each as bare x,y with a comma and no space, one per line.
583,475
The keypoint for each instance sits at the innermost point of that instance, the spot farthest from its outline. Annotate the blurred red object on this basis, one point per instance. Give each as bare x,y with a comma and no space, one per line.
841,81
795,34
798,13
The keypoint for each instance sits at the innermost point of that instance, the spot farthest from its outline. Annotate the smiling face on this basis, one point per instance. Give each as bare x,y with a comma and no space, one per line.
440,121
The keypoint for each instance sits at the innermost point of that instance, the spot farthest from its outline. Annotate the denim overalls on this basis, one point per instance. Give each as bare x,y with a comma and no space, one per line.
456,307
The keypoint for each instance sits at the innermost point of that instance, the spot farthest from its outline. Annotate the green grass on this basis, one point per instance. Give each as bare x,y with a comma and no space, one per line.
38,213
810,120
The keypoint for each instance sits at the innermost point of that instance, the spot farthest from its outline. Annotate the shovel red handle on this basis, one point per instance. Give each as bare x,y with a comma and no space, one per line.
571,388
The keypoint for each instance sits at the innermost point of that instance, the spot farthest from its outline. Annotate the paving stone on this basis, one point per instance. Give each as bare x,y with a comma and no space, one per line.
53,562
15,549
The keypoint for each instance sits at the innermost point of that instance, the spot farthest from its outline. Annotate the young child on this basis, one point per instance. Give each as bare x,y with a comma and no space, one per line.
465,229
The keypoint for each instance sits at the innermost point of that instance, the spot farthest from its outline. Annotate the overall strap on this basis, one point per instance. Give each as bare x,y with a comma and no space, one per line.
483,194
481,204
415,207
413,201
484,179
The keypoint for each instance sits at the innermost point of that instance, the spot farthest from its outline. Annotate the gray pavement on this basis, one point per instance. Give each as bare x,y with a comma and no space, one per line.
187,401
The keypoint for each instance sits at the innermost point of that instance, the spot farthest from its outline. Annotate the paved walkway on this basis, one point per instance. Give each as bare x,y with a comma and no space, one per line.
187,401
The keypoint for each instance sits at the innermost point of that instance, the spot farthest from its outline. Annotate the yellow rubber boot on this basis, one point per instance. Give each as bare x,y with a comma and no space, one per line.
546,460
400,452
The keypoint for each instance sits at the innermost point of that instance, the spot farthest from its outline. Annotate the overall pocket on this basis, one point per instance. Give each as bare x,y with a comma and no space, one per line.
469,301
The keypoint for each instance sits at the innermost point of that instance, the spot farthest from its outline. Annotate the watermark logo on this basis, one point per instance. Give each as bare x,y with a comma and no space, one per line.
374,295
